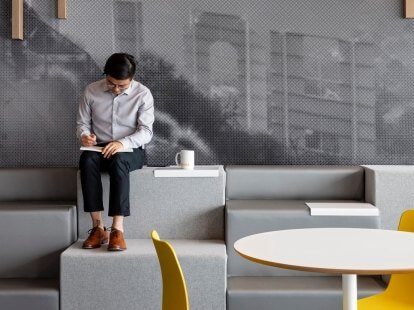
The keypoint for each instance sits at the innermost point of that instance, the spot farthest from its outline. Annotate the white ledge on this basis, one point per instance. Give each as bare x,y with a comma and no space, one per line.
177,172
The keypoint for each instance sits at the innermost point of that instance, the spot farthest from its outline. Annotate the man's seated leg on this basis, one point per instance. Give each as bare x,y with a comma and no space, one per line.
90,170
119,165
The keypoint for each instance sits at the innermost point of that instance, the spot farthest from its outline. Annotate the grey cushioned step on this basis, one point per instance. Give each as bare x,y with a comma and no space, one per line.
247,217
32,236
295,182
38,184
33,294
130,280
178,208
293,293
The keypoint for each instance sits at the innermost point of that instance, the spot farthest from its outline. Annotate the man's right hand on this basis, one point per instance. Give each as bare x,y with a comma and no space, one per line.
88,140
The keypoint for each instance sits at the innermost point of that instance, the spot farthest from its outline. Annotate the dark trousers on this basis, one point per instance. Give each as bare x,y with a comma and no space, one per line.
91,164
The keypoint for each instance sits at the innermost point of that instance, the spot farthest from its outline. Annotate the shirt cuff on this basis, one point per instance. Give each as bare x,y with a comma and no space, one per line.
125,143
84,133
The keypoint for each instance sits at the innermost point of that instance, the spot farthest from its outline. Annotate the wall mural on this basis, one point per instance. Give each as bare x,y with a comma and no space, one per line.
266,82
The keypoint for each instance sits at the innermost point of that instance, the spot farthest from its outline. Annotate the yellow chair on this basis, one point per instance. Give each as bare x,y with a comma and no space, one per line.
399,293
174,289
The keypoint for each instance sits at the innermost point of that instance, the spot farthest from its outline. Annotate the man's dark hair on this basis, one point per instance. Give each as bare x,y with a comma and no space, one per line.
120,66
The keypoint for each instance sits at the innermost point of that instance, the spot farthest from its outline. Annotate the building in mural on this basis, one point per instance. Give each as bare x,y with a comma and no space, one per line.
225,60
127,27
321,95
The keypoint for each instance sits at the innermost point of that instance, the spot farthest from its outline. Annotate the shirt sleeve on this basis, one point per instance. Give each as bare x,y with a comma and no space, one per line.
83,120
145,120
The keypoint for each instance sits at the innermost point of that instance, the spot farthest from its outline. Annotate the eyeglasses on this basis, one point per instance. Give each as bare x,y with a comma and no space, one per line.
111,85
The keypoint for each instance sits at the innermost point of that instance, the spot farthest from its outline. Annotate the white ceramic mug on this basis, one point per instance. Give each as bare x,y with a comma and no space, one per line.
186,159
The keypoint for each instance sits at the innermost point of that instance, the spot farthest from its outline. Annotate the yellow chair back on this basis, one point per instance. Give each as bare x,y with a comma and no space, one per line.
401,285
174,289
398,294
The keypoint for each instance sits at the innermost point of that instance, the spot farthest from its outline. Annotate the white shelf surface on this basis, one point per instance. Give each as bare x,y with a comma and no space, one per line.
177,172
342,209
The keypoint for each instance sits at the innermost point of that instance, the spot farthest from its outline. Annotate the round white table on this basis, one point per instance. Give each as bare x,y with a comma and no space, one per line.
346,251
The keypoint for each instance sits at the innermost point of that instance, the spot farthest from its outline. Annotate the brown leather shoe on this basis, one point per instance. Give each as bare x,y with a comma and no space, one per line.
96,237
116,240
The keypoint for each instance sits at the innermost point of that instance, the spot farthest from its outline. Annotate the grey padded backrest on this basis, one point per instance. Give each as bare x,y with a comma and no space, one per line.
178,208
295,182
28,184
32,237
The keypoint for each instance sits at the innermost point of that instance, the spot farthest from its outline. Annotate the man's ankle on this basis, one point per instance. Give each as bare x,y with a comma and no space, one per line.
117,228
98,224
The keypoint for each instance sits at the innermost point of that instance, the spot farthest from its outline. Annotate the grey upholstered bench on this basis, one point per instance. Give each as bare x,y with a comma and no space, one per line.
37,222
189,212
294,292
130,280
266,198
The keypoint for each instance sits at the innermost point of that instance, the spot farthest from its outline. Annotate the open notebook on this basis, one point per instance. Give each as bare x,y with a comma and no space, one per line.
100,148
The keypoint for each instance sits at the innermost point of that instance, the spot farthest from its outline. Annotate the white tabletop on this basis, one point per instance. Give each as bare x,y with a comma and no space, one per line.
333,250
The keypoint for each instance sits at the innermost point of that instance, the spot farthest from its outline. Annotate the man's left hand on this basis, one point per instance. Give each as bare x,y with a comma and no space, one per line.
111,149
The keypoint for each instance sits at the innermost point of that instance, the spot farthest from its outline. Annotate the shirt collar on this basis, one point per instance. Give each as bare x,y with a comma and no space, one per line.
129,89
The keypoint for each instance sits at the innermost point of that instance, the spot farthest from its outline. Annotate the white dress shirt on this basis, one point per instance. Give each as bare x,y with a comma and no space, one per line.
127,117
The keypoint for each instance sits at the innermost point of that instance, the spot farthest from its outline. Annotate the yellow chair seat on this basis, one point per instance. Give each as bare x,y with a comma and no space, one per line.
383,302
399,295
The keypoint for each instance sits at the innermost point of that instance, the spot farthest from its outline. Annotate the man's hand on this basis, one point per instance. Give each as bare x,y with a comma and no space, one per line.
88,140
111,148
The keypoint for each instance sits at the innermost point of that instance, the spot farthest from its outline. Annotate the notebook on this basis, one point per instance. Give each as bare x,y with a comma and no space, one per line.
100,148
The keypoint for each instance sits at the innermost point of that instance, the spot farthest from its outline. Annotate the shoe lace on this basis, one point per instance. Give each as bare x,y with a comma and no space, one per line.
113,230
93,229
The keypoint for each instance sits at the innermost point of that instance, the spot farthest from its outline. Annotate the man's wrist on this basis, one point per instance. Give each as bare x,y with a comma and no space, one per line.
124,143
85,133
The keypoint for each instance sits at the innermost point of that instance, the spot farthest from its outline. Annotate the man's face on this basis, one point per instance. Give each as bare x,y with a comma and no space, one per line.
117,86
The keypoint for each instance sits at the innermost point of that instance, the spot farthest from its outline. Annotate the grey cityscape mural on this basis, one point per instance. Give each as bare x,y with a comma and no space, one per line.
240,82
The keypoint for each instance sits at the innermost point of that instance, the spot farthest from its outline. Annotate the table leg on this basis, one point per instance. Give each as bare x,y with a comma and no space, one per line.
349,291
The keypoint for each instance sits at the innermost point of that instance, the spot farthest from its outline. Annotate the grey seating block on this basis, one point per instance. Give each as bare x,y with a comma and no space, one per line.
33,294
178,208
293,293
38,184
130,280
390,188
32,236
247,217
295,182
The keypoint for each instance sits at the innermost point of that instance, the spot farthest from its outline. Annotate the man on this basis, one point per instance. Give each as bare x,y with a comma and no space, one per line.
116,113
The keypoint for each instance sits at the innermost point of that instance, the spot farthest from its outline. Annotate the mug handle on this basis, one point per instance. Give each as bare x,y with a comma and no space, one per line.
176,158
